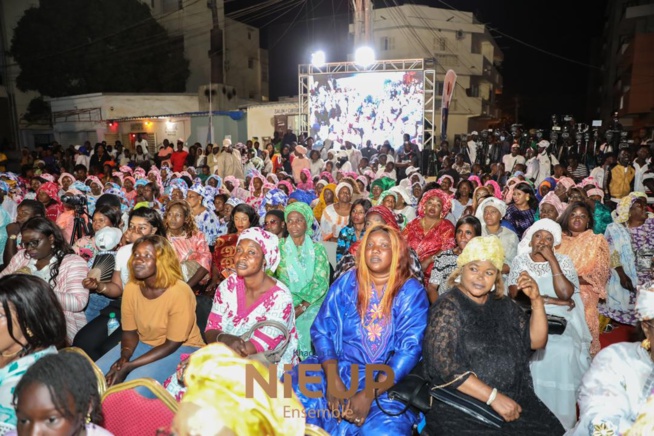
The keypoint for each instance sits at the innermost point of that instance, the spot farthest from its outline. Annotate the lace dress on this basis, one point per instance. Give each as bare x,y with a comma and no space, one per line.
492,340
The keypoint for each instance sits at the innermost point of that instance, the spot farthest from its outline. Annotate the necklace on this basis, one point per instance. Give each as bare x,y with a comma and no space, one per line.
12,354
422,223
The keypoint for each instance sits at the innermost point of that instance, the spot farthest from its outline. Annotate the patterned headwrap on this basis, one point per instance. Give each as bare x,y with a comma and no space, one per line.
589,181
621,213
542,224
111,185
445,199
386,194
139,173
308,185
4,187
645,302
120,176
274,197
141,182
476,180
275,179
178,184
268,242
483,248
385,183
288,186
490,202
63,175
327,175
47,177
387,215
208,193
257,175
219,181
567,182
126,169
304,210
303,196
236,183
79,186
233,201
124,202
370,174
440,181
595,191
131,179
50,188
215,388
495,187
257,162
94,179
157,177
554,200
548,182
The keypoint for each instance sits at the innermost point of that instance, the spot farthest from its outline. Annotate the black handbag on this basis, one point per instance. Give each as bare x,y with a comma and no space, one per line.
555,324
416,393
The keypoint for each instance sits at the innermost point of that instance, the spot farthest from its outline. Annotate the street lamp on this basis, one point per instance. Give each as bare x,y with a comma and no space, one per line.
364,56
318,59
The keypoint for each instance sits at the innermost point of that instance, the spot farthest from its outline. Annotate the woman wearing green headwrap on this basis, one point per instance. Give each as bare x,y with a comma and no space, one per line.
304,268
379,186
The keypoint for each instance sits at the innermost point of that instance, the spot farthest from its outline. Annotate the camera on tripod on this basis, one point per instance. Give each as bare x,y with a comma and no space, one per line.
74,199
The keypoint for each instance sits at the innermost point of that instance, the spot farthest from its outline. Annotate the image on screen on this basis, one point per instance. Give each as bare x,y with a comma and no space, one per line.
375,106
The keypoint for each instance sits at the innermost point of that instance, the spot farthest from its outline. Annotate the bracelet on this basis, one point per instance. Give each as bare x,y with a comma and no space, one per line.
546,300
101,289
218,337
492,397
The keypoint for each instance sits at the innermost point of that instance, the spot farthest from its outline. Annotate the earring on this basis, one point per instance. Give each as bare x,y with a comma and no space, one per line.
646,344
88,419
29,332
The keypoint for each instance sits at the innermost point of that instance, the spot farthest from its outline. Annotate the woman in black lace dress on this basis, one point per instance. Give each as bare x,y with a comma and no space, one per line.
480,342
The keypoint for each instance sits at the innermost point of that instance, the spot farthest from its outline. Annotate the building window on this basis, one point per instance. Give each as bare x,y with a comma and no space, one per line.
251,63
168,6
249,35
387,43
440,43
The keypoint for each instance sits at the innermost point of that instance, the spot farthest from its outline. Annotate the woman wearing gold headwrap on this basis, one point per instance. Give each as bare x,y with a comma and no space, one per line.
489,364
327,198
631,241
216,400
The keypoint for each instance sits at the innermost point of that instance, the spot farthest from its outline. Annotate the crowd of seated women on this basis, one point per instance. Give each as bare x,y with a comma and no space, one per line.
500,292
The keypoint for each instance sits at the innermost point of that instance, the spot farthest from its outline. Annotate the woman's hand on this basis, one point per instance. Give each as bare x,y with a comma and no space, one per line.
118,372
508,409
358,408
90,284
559,302
528,285
13,229
338,406
625,282
547,252
234,342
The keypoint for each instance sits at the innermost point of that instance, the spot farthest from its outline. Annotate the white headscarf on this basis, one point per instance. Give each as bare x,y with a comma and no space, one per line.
490,201
645,303
543,224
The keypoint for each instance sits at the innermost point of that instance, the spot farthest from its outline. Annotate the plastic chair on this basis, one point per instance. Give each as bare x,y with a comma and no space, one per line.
102,382
126,412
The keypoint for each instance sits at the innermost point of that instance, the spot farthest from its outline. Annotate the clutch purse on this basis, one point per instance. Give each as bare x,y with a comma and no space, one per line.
270,356
555,324
189,268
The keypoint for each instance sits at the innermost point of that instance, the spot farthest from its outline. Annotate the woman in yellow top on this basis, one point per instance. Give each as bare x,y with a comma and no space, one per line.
158,316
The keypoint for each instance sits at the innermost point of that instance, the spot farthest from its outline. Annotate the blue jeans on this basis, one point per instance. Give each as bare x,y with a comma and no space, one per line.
97,302
159,370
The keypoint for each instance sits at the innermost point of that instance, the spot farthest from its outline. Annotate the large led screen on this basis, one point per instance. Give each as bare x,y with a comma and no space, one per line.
376,106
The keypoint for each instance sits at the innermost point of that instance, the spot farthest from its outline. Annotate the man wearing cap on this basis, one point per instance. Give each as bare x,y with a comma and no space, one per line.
470,151
510,160
178,158
229,162
546,162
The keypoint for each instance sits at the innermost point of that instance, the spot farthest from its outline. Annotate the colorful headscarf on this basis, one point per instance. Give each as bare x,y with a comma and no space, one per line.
308,185
139,173
483,248
508,195
257,175
94,179
322,204
178,184
304,210
621,213
233,201
490,202
206,192
275,179
130,179
385,183
141,182
125,204
50,188
595,191
303,196
327,175
387,215
567,182
111,185
543,224
4,187
219,181
495,188
388,193
47,177
268,242
126,169
446,176
288,185
63,175
274,197
445,199
589,181
236,183
476,180
554,200
79,186
341,186
549,182
118,174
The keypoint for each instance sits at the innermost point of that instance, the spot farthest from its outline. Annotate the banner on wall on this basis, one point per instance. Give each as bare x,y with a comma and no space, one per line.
448,92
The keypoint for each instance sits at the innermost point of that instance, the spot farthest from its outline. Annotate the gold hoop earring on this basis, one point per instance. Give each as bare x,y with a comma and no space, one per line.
646,344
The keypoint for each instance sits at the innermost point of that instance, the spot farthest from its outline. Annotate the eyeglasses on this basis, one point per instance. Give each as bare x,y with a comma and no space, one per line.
271,223
31,244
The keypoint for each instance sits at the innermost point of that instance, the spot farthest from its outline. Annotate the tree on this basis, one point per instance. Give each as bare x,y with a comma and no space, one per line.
69,47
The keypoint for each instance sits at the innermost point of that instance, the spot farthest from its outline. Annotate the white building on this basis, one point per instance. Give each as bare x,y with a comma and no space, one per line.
454,40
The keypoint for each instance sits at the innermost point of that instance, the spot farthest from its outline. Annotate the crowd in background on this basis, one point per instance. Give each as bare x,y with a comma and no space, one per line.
496,277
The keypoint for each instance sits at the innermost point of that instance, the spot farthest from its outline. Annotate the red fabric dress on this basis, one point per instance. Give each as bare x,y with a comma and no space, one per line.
438,238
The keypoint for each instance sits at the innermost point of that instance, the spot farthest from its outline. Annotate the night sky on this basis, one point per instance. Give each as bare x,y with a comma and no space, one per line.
543,84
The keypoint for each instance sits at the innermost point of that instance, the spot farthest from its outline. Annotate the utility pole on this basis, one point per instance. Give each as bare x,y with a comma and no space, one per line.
362,22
